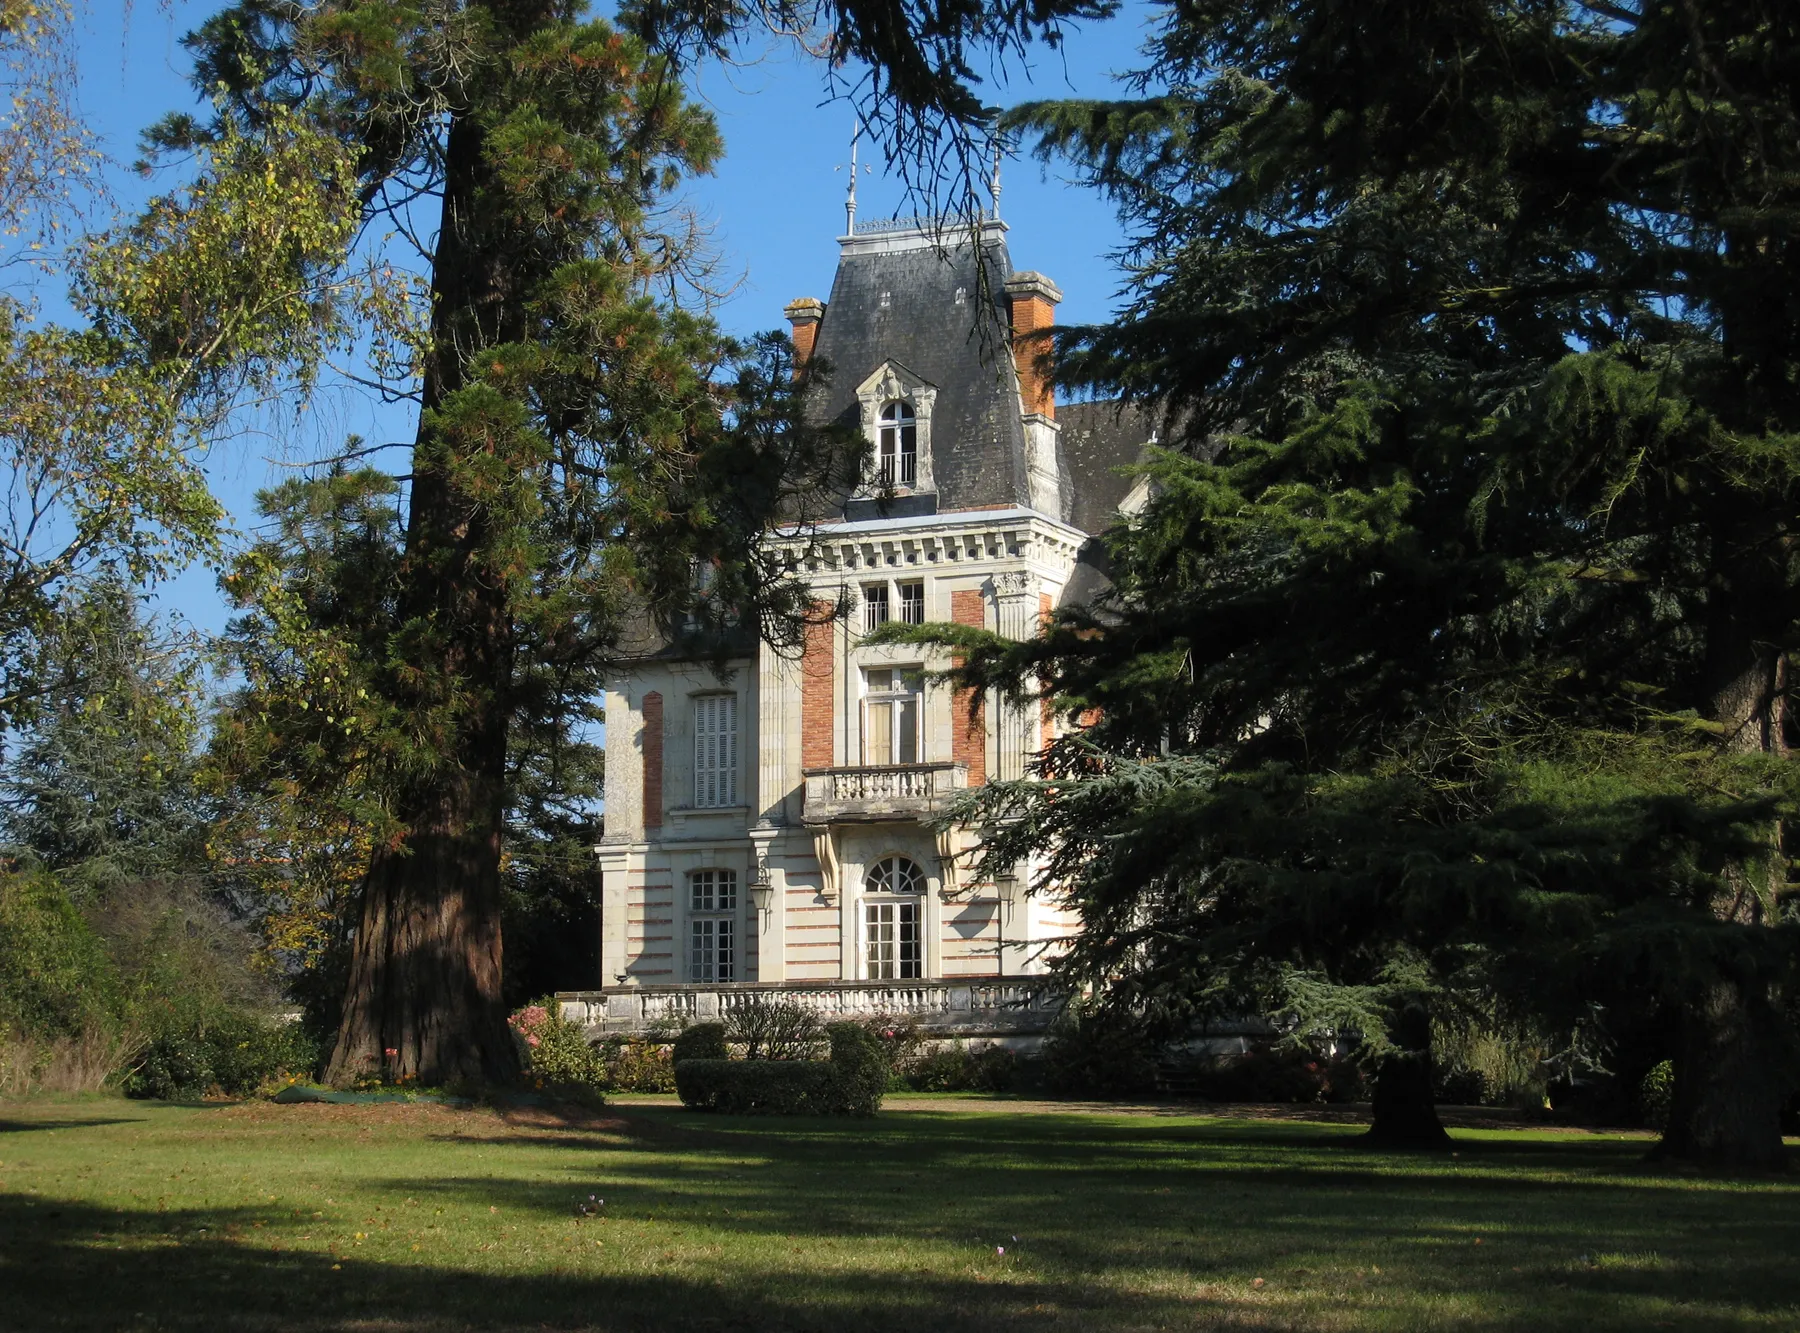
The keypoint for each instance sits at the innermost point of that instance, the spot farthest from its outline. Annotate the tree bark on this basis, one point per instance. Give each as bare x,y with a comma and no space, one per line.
1730,1049
1405,1112
1732,1052
1729,1086
424,996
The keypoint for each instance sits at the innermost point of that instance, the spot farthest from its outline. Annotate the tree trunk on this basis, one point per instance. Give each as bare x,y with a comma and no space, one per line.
1729,1084
1405,1112
1732,1053
424,999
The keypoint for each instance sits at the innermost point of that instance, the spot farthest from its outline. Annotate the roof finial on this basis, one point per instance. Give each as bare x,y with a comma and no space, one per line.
994,185
850,194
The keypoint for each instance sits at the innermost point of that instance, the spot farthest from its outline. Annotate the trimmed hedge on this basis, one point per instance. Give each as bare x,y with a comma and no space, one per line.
702,1041
850,1083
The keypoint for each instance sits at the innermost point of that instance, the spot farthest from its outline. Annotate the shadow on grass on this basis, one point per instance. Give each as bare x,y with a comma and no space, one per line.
892,1224
1207,1198
26,1126
61,1273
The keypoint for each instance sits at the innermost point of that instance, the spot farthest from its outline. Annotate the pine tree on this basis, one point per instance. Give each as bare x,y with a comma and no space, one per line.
1450,659
101,788
581,446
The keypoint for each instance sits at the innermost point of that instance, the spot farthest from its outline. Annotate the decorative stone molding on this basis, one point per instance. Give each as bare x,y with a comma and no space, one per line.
893,382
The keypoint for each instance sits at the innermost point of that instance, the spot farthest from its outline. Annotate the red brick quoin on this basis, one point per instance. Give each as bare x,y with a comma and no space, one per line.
817,721
968,721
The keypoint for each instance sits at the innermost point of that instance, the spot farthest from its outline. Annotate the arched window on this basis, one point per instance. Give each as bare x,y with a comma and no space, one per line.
894,874
897,446
893,920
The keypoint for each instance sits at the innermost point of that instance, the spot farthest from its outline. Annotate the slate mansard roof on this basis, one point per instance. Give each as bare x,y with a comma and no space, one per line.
919,300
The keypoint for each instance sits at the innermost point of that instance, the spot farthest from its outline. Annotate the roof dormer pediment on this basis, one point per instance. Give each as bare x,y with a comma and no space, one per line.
891,380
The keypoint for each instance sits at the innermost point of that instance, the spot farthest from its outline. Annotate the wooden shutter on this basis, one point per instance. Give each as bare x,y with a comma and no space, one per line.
715,750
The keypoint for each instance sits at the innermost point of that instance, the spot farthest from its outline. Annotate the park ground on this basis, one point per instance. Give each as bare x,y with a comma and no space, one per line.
937,1215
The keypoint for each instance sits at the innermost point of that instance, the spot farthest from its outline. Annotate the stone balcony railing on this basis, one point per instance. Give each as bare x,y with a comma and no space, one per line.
989,1006
878,792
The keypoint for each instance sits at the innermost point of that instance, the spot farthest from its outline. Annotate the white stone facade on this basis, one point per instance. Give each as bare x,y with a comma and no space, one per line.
838,751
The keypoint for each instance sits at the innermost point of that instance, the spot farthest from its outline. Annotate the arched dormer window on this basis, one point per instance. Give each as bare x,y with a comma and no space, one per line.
896,420
897,446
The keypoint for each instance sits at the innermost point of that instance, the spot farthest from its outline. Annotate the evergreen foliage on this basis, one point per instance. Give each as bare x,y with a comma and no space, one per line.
101,786
1447,667
582,448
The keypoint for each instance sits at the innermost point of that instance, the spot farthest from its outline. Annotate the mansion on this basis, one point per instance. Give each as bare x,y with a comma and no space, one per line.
766,822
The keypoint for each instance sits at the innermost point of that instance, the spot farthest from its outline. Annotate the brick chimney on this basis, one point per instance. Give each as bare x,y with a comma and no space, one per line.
1033,299
804,315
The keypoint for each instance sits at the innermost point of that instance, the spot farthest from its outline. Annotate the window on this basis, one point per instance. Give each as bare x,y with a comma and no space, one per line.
712,937
715,749
893,407
712,891
891,715
875,606
912,603
893,941
897,446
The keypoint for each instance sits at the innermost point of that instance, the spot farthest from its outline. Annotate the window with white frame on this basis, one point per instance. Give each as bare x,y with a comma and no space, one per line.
893,920
712,925
715,749
880,599
875,606
894,406
897,446
890,731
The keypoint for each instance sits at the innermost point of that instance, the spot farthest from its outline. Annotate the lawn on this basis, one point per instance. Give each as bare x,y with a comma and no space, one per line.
129,1215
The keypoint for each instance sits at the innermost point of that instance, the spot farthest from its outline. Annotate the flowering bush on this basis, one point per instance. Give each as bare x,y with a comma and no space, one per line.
529,1023
556,1052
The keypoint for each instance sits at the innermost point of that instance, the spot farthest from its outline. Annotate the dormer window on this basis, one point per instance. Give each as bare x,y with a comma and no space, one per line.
896,419
897,446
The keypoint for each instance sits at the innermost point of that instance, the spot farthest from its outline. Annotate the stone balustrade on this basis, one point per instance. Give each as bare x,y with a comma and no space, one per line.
880,791
989,1006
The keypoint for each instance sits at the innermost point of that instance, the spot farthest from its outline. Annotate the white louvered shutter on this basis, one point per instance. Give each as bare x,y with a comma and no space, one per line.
715,750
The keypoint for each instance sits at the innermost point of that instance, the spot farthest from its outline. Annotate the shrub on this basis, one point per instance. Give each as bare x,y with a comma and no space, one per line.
635,1065
1655,1093
850,1083
755,1087
56,976
702,1041
1086,1054
955,1068
902,1046
557,1052
233,1054
776,1030
859,1070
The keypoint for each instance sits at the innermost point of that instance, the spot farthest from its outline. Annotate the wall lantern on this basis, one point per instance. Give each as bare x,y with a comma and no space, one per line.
761,889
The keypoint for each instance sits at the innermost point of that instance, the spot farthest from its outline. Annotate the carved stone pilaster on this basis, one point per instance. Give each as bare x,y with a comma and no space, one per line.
1016,602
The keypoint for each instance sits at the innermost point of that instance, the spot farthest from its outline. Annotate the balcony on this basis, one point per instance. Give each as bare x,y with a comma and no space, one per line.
870,794
989,1006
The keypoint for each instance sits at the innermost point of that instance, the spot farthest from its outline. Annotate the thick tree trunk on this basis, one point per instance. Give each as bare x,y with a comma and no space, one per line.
424,999
1729,1084
1405,1112
1733,1055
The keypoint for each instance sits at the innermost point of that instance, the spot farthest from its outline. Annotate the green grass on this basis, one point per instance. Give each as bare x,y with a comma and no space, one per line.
123,1215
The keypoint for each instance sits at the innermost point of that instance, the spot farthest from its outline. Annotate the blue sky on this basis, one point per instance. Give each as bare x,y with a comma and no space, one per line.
775,204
